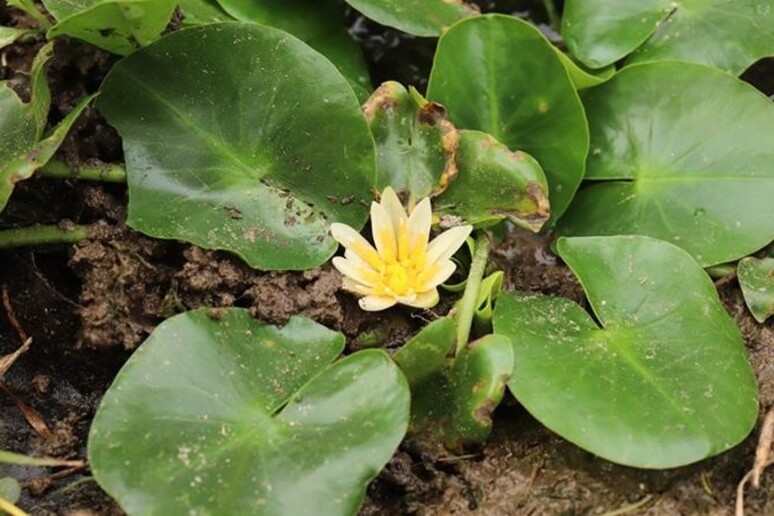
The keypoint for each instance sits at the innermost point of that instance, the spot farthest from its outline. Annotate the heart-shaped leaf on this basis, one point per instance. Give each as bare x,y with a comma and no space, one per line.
453,397
686,153
756,277
118,26
662,381
494,183
415,143
216,413
418,17
500,75
319,26
241,137
726,35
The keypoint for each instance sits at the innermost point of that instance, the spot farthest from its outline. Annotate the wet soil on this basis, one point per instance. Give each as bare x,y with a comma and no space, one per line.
88,306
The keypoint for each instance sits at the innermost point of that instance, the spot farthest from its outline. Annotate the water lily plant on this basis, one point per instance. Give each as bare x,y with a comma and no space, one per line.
403,268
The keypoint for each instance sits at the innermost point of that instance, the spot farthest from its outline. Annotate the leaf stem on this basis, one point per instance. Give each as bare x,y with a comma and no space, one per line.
37,235
473,285
29,7
553,15
95,171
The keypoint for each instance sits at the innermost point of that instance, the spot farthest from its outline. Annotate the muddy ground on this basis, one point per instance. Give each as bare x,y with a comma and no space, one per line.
88,305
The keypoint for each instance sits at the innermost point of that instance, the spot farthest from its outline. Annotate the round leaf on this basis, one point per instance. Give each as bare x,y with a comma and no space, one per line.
200,12
727,35
415,143
494,183
118,26
663,380
241,137
756,277
319,26
499,74
218,414
686,151
418,17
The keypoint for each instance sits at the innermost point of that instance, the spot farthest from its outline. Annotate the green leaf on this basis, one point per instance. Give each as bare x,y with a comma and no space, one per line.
662,381
218,414
499,74
118,26
23,149
491,288
10,34
240,137
581,77
452,399
600,32
319,26
10,490
415,143
685,152
756,277
417,17
200,12
494,183
23,166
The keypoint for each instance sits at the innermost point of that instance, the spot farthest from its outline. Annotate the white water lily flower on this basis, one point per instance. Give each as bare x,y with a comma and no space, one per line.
404,268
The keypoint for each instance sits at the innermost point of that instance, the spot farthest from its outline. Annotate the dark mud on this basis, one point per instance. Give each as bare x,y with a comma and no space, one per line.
87,306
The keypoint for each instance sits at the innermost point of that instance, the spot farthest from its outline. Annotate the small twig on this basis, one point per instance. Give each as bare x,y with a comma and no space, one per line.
630,507
740,489
30,414
764,447
47,479
8,360
12,315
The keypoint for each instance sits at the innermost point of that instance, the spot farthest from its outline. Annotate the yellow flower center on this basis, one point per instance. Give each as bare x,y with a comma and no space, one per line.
396,278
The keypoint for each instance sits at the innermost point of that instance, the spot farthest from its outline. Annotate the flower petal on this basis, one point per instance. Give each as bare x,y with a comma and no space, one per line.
446,244
364,275
426,299
384,233
351,239
393,206
441,273
376,303
419,226
355,287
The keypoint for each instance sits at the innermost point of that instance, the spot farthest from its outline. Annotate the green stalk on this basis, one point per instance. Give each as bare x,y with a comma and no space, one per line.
473,285
553,14
29,7
37,235
106,172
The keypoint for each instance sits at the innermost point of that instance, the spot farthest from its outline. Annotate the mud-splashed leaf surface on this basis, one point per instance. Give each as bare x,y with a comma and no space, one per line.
685,153
756,277
500,75
218,414
319,26
453,399
493,183
117,26
417,17
663,381
241,137
415,143
23,146
730,35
